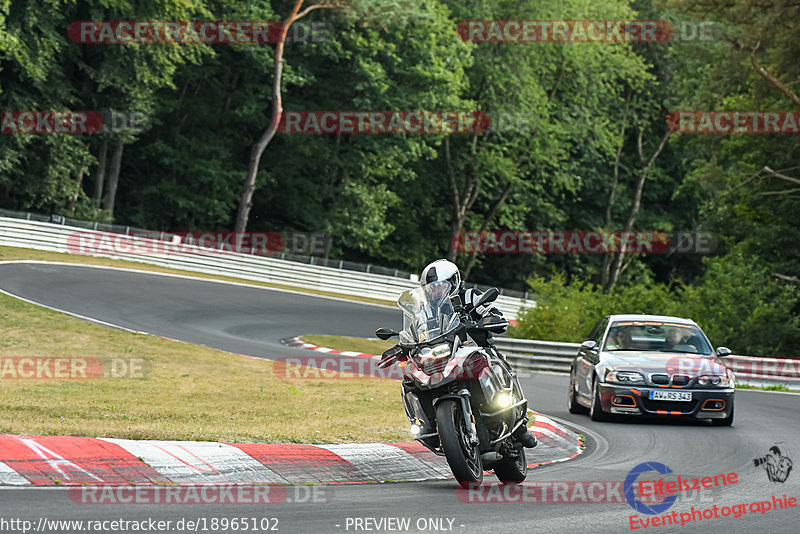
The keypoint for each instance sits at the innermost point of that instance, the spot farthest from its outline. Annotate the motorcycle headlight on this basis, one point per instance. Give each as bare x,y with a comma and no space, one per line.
624,377
713,380
433,353
504,400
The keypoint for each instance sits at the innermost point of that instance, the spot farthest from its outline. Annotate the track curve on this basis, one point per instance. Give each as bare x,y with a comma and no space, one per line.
243,319
252,321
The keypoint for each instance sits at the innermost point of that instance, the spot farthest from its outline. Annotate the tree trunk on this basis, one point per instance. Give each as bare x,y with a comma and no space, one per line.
489,216
246,201
637,201
613,193
113,179
764,73
100,173
461,203
78,184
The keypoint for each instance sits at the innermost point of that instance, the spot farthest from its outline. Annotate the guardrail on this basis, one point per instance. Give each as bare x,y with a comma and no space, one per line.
283,255
56,237
556,357
532,355
755,371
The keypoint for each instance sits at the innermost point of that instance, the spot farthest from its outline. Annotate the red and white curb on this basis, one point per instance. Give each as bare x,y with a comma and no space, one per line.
296,342
69,460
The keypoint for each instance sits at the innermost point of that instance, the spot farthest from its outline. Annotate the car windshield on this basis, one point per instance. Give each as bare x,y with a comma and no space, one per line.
662,336
427,313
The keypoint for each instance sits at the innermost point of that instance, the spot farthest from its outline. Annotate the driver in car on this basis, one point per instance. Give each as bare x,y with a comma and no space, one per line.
679,336
620,339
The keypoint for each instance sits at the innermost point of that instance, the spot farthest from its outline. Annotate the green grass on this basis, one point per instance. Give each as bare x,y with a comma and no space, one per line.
773,387
187,393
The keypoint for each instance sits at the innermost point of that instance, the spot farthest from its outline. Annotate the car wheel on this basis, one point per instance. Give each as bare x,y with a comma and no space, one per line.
596,411
572,402
728,421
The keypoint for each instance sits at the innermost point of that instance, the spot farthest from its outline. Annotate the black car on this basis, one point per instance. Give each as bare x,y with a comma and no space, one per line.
651,365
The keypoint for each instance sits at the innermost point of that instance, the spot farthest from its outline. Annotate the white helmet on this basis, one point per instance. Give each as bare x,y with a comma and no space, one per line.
442,271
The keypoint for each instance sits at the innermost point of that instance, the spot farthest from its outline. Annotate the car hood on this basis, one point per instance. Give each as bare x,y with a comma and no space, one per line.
646,362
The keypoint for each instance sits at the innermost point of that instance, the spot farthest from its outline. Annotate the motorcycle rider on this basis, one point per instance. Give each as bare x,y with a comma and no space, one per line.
443,270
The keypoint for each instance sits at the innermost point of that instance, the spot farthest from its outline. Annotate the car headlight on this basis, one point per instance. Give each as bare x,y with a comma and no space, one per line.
433,353
713,380
624,377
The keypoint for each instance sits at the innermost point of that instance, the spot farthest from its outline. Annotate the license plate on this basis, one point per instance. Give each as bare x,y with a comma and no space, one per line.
682,396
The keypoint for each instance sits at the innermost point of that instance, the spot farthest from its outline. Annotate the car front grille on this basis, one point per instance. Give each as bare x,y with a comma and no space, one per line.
680,380
663,379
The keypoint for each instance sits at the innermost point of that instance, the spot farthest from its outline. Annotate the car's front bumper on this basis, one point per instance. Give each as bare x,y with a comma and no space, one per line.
716,403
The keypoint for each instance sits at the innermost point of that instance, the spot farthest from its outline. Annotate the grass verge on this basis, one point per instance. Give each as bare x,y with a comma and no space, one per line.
189,393
773,387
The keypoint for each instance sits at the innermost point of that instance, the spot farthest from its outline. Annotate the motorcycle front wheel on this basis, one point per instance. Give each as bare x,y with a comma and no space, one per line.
463,458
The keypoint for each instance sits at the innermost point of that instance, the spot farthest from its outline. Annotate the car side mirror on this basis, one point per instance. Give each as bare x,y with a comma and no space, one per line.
589,344
723,351
386,333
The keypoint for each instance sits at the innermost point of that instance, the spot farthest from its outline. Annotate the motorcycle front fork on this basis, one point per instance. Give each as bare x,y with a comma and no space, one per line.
415,401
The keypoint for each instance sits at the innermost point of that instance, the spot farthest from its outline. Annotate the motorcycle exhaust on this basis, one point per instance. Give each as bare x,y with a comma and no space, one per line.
491,456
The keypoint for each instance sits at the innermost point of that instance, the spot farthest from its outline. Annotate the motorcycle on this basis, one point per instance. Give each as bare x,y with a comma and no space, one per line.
463,400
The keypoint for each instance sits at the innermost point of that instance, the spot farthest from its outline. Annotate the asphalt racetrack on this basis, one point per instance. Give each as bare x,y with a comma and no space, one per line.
243,320
252,321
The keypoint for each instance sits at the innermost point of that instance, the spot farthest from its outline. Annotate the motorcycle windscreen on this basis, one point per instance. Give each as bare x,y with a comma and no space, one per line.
427,313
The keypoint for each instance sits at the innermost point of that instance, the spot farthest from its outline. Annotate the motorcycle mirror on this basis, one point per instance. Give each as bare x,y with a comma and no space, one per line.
490,295
386,333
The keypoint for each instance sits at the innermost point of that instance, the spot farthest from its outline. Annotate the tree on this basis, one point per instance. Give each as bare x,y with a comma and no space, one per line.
569,94
46,71
277,111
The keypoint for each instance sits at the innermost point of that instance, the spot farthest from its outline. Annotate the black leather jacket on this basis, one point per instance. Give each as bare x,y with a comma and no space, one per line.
487,311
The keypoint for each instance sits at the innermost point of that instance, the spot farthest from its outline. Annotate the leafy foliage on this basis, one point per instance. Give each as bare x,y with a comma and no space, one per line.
590,113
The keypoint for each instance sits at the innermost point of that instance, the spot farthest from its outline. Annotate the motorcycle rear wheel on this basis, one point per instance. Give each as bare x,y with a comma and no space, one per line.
463,458
512,472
